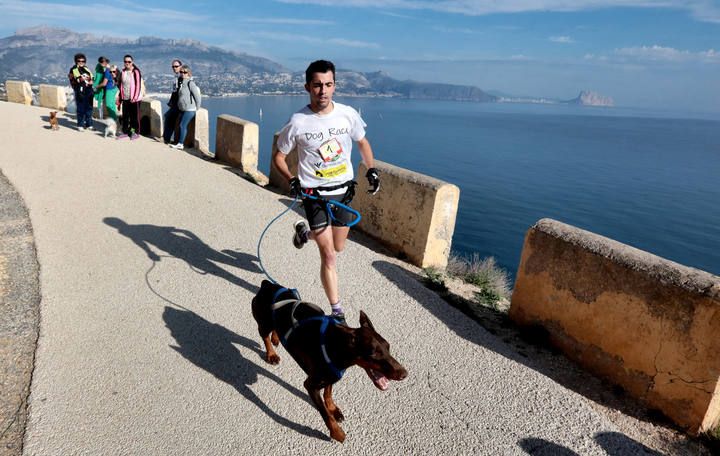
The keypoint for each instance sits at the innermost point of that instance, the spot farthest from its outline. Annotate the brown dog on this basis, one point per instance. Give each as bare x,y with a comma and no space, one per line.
54,121
322,347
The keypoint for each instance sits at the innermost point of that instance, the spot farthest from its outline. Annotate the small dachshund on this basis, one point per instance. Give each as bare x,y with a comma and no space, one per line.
322,347
54,121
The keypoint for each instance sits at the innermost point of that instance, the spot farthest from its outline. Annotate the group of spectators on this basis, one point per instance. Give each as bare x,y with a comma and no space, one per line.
120,91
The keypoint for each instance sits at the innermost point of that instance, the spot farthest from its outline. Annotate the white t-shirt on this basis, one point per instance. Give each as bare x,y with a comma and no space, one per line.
324,143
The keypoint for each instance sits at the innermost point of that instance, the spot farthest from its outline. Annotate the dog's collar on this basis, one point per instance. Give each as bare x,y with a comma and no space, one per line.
283,290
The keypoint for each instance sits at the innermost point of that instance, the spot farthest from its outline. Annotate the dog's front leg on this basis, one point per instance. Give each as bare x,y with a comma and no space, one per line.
336,431
331,406
271,355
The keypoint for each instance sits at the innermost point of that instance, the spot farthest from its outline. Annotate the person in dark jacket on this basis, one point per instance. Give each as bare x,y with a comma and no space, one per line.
172,114
81,80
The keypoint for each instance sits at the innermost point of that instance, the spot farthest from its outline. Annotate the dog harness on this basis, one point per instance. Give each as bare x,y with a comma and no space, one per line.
322,322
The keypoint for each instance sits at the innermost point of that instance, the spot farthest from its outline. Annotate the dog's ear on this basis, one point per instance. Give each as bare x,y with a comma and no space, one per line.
365,321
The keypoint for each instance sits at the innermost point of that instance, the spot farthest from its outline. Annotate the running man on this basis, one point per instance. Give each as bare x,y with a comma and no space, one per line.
322,133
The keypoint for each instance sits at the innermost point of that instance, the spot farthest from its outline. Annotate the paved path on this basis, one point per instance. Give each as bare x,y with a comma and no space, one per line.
147,346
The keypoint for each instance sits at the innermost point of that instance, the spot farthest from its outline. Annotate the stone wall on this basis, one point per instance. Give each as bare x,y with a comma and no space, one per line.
645,323
19,92
151,118
412,214
53,97
237,142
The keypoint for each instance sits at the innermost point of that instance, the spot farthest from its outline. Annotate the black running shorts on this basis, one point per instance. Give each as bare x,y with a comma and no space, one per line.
317,216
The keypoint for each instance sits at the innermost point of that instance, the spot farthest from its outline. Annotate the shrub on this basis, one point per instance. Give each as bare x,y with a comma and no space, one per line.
435,279
483,273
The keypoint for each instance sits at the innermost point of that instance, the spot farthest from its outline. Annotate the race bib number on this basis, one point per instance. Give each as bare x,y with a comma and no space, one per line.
330,149
329,173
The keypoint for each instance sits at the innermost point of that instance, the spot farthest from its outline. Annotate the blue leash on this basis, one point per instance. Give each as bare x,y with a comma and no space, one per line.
327,202
263,235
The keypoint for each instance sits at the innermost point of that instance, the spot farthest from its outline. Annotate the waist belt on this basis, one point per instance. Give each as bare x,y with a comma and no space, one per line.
330,188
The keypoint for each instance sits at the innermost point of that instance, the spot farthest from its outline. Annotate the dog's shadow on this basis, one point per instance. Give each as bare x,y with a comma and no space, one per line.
210,346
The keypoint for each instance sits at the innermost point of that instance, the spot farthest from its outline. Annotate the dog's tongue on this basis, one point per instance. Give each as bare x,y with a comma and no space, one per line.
380,381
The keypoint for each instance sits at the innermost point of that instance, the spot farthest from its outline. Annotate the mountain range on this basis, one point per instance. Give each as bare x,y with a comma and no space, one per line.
45,54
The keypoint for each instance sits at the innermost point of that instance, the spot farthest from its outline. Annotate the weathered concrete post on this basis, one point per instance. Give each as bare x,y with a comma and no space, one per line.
53,97
646,323
151,119
277,179
237,142
19,92
412,213
200,137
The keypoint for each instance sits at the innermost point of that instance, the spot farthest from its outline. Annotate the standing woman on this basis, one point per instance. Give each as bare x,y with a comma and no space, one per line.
189,100
130,97
81,79
105,86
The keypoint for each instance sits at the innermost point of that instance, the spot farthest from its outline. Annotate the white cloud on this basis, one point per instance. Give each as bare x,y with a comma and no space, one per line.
285,21
129,14
293,38
656,54
703,10
561,39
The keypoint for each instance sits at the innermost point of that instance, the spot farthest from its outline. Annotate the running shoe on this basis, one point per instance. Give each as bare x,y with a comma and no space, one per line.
302,234
339,317
122,136
179,146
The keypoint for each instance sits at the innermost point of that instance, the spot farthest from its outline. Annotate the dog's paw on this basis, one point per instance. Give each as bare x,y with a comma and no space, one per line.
336,433
338,415
272,358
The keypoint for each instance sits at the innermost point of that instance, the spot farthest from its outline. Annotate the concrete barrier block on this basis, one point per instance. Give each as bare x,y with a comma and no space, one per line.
413,214
53,97
237,142
19,92
277,179
200,132
151,118
643,322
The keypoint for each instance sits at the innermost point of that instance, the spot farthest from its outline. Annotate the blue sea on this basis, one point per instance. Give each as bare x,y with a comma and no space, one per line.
649,179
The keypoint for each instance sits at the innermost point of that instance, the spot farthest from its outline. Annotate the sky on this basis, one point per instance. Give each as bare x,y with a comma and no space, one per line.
662,54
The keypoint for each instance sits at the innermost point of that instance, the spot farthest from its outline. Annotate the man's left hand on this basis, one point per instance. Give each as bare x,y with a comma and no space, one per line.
373,177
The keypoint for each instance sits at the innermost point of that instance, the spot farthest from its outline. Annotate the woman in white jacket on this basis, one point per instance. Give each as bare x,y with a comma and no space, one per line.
189,100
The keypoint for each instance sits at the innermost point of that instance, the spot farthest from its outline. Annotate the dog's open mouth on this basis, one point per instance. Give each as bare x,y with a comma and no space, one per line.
380,381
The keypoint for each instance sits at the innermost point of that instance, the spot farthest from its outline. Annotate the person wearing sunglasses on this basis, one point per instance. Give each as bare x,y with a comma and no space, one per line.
130,84
189,100
105,88
81,80
171,115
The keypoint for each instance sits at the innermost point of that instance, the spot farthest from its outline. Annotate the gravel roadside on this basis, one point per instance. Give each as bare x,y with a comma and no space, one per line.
19,316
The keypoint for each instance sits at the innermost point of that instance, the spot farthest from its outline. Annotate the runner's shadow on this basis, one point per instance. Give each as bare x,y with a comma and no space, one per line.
614,444
210,346
185,245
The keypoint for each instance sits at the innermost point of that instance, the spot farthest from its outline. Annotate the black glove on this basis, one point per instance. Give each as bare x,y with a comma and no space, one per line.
295,187
373,177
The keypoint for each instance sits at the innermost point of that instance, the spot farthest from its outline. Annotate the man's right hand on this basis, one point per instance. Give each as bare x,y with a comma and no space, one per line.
295,187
